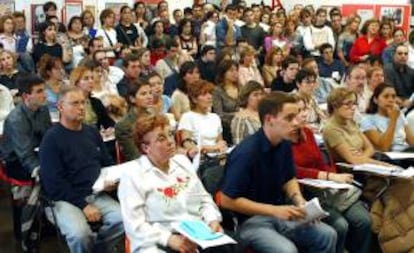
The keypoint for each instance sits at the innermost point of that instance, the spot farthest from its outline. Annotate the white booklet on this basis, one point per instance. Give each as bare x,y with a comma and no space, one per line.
393,171
399,155
111,174
324,184
314,211
201,234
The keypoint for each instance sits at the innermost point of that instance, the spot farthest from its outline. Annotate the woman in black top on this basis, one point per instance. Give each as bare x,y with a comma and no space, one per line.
126,31
186,39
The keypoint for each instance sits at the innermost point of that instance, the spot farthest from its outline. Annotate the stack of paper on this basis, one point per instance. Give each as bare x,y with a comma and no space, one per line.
313,211
399,155
201,234
385,171
319,183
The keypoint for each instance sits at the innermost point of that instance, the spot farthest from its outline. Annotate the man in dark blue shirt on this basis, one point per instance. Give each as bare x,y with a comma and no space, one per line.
258,178
329,67
71,157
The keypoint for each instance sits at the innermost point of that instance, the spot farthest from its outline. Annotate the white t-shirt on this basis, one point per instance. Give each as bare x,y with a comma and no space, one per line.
6,105
111,34
209,32
204,127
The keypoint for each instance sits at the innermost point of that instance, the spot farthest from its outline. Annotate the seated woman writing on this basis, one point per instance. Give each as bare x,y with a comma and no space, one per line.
391,199
171,192
352,223
384,125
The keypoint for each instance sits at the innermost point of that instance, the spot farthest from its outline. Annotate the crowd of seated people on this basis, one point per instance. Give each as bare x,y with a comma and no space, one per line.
254,98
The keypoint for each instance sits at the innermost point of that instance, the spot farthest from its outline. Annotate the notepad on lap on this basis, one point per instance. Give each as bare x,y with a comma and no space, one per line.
201,234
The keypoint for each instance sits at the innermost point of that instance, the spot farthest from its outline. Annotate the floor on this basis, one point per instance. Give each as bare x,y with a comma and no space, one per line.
8,244
49,240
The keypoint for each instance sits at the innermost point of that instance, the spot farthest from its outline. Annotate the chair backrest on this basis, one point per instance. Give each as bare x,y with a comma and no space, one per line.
120,158
5,178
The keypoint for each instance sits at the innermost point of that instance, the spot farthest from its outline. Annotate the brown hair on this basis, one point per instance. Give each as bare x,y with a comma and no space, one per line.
246,90
104,14
364,29
246,51
19,14
221,70
144,125
307,61
46,64
3,19
371,71
13,55
337,97
77,74
273,104
271,54
198,88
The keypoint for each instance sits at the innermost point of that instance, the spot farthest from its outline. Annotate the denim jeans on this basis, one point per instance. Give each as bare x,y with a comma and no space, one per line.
74,227
265,234
353,227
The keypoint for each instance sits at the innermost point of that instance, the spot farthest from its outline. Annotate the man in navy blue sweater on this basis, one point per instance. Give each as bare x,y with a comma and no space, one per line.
71,157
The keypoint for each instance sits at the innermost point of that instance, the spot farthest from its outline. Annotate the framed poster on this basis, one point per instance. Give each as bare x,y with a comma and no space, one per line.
400,14
38,17
365,11
6,7
71,9
92,9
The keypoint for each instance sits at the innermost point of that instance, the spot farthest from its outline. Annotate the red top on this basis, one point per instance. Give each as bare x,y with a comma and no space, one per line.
361,47
156,56
308,158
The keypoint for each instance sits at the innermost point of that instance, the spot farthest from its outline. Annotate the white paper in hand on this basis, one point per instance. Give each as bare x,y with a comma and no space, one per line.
313,211
111,174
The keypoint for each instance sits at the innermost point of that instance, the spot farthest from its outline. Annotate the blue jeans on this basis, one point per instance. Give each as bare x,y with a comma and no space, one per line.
267,234
353,227
74,227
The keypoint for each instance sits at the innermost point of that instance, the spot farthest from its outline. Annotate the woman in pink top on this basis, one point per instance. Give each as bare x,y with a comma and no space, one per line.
277,38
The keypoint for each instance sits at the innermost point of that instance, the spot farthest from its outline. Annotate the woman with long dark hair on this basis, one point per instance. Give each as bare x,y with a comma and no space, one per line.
186,40
48,43
384,124
189,73
226,94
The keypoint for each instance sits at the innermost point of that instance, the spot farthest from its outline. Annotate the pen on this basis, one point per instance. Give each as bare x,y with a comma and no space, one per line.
354,182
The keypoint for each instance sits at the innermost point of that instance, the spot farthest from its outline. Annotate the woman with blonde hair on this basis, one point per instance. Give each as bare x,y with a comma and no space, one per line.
95,112
277,38
9,71
248,70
